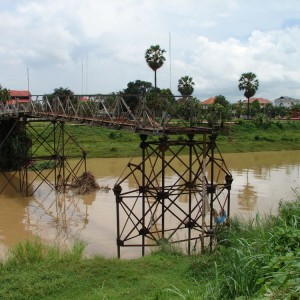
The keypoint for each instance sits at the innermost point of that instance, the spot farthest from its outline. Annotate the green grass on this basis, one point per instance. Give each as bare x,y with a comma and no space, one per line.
257,259
250,137
254,259
245,136
158,276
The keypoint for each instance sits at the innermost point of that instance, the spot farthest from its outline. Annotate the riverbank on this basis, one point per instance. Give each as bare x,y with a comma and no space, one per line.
256,259
244,136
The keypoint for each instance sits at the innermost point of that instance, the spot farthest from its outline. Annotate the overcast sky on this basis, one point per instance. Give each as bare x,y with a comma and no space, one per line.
98,46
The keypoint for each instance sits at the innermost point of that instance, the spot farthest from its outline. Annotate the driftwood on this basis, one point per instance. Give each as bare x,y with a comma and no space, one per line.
85,184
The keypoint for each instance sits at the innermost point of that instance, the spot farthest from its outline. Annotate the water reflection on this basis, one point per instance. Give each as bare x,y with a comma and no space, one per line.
247,196
261,180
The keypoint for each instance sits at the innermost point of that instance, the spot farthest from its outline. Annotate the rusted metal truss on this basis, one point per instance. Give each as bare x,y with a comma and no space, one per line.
176,191
108,110
179,191
50,155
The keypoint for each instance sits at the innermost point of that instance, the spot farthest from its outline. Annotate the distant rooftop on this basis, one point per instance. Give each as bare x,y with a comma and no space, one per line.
209,101
260,100
17,94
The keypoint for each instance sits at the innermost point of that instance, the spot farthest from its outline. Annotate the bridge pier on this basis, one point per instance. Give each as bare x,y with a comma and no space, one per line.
45,155
179,191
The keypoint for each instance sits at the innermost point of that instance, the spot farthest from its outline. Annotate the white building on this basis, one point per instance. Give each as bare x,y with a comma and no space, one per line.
286,101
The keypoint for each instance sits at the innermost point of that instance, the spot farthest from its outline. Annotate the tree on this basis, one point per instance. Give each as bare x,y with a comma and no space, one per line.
295,111
222,109
222,101
135,89
63,94
185,86
269,110
191,110
4,94
155,59
255,108
249,84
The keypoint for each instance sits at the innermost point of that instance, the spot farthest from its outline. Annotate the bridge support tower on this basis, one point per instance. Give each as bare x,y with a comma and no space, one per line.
36,152
180,193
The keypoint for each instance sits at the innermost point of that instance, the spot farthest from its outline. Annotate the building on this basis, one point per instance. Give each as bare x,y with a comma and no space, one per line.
208,102
262,102
19,97
286,101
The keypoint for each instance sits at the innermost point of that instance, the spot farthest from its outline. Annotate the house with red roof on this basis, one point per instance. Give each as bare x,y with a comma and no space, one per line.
208,102
19,97
262,102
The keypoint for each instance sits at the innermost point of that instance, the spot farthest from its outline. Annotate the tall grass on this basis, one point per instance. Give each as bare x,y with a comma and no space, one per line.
34,251
255,258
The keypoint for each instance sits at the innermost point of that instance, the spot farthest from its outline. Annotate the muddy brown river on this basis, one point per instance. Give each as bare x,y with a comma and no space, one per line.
261,181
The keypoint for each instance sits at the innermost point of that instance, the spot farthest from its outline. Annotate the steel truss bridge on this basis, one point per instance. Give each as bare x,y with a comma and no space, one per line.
184,208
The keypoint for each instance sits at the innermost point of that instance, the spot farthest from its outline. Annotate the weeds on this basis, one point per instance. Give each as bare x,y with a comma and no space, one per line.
255,258
34,251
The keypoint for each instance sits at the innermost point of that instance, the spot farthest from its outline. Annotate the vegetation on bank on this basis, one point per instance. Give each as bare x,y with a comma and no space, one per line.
244,136
254,259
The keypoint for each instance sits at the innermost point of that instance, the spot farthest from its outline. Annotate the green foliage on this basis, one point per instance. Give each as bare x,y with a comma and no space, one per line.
4,94
185,86
258,258
34,251
249,84
247,136
156,276
62,93
135,90
114,134
42,165
155,59
221,100
190,109
14,151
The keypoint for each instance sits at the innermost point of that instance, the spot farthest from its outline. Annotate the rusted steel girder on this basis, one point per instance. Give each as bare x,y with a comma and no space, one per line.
179,190
45,157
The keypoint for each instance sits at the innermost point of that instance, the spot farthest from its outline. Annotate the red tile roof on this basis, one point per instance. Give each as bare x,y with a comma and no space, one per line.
208,101
16,94
260,100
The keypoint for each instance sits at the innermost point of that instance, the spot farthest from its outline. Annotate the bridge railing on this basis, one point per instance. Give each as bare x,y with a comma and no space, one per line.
96,108
130,111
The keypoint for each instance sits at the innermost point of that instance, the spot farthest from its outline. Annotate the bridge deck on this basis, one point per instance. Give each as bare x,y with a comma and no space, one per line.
101,111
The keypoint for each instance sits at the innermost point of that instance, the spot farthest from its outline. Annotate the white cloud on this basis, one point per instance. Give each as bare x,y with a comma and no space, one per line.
214,42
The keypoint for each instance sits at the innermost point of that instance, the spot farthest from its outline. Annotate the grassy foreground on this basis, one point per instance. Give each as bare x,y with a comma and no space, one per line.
255,259
245,136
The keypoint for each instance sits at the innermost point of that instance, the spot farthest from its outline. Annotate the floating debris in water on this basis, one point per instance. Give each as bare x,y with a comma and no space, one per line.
85,184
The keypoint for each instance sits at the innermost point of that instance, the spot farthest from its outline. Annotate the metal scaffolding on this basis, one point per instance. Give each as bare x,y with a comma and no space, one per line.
49,155
171,206
180,189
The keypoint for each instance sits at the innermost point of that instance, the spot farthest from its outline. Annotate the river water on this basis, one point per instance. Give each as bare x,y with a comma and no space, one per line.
261,181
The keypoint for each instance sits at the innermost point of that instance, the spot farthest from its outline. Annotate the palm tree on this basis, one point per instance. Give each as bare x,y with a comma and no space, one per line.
185,86
249,84
155,59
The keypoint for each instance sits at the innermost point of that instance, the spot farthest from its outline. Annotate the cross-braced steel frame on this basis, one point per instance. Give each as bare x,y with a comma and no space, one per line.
51,156
182,187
